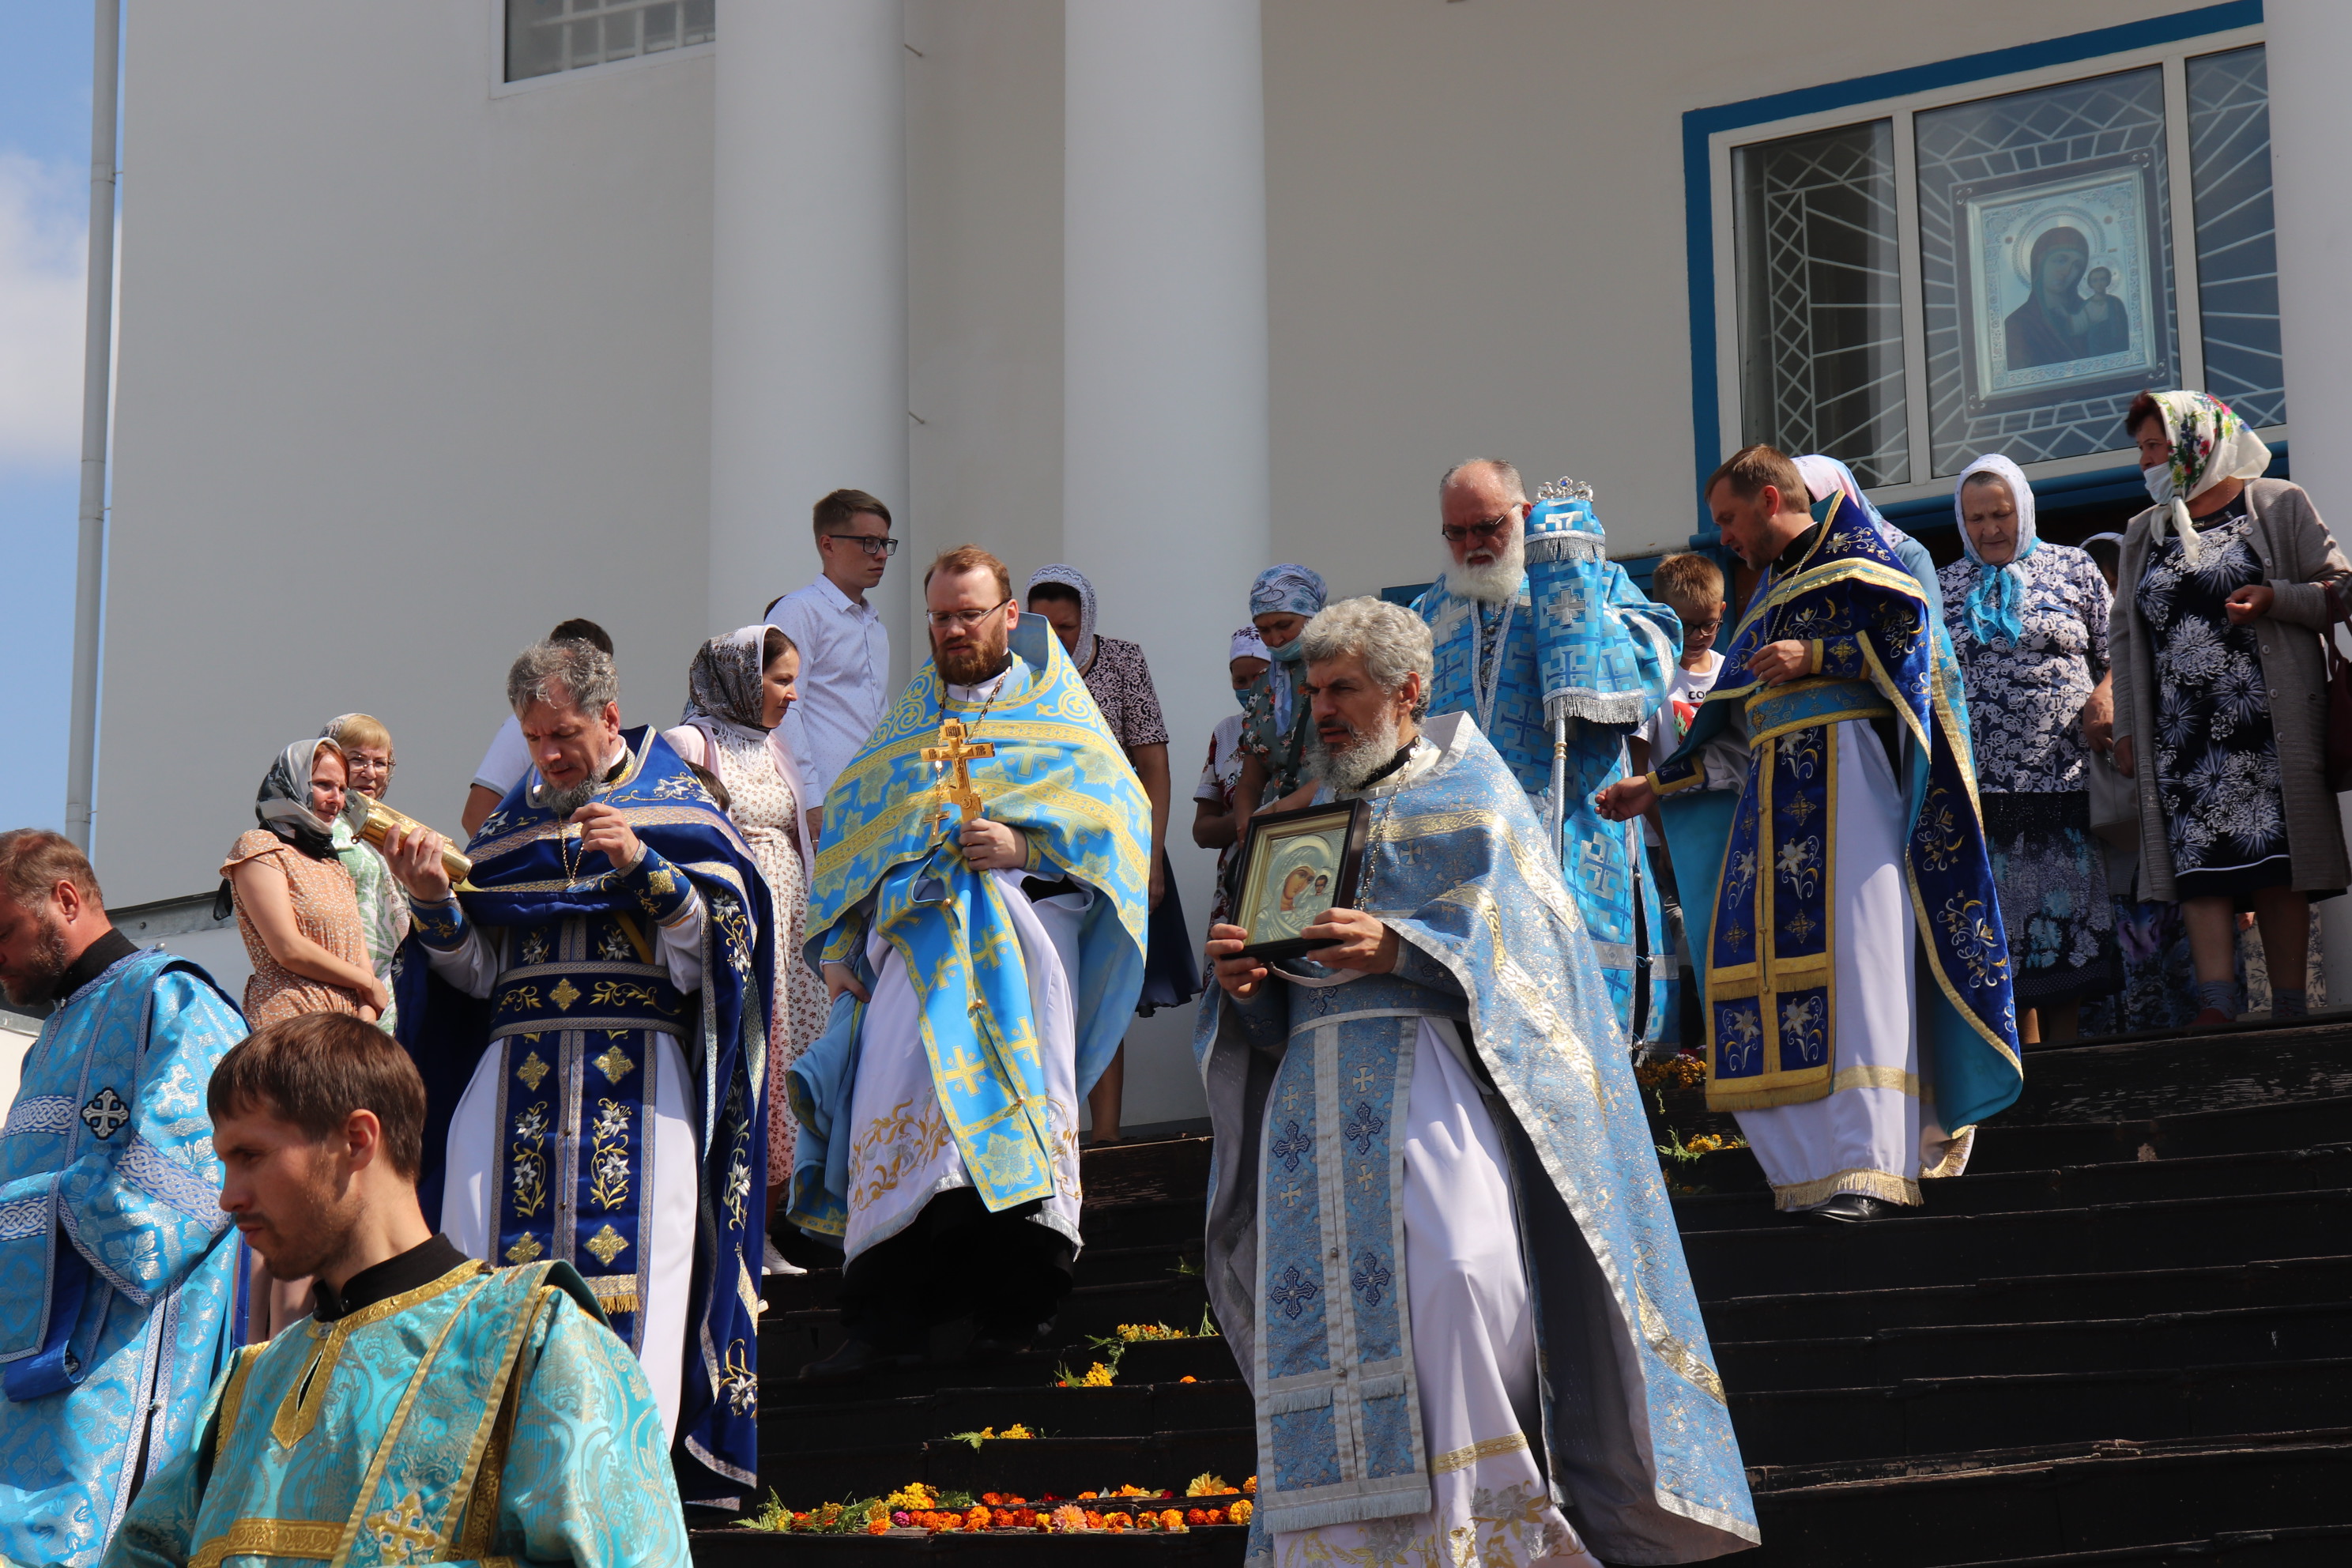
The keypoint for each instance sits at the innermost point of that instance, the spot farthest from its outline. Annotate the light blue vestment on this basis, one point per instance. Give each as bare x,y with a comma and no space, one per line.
487,1415
120,1277
1581,641
1308,1086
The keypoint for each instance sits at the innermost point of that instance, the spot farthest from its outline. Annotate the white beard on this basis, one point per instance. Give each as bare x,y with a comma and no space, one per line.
1348,770
1495,583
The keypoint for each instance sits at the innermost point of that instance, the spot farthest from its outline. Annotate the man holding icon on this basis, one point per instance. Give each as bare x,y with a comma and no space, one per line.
1434,1174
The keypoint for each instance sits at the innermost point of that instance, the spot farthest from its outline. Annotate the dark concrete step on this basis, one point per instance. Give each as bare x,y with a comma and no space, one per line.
2150,1341
2004,1507
1162,1361
1953,1249
1118,1411
1033,1467
1949,1415
820,1289
790,1341
2320,1546
2071,1186
2003,1145
2031,1297
1217,1547
2226,1069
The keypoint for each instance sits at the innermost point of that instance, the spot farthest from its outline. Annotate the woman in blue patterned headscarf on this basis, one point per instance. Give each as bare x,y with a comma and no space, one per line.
1274,722
2029,626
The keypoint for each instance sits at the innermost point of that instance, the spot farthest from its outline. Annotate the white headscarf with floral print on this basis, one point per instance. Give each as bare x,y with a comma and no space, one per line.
2210,444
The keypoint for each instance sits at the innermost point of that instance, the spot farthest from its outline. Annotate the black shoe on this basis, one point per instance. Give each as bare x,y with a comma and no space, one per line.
1850,1208
854,1360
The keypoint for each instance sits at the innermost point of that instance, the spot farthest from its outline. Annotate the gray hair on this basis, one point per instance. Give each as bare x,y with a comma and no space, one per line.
1391,640
1504,475
581,671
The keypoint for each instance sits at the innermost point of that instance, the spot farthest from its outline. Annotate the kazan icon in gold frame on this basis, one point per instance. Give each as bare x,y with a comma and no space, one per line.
1295,866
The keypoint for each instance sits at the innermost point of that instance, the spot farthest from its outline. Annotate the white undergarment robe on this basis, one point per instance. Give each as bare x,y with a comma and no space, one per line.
1874,1134
901,1154
1474,1349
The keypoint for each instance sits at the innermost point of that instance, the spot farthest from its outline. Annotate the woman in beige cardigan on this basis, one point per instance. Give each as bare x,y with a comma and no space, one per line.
2222,694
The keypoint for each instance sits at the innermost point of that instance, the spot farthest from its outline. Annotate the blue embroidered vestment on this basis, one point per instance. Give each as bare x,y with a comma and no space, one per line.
581,990
1306,1256
1771,943
1579,638
488,1416
121,1279
890,864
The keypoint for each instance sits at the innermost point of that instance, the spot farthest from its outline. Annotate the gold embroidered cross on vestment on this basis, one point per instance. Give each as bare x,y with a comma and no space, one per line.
951,760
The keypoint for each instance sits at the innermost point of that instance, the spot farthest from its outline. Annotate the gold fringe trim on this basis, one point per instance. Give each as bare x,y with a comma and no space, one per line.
1867,1183
1955,1156
1485,1448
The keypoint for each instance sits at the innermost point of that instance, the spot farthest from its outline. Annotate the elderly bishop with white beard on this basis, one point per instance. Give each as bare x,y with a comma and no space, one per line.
1547,644
1437,1236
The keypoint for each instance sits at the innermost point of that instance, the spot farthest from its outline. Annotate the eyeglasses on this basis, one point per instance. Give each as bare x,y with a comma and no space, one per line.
1455,534
872,545
943,620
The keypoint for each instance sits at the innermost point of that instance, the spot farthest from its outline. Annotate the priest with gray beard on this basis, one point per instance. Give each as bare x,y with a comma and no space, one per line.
1438,1237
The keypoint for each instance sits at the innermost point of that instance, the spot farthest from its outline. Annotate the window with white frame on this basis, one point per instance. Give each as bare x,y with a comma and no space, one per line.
545,37
2002,266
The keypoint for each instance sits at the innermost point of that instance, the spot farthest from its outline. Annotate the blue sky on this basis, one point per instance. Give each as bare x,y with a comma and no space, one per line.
43,210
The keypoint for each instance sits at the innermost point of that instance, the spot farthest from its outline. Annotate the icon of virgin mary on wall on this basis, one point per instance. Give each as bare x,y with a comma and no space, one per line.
2059,320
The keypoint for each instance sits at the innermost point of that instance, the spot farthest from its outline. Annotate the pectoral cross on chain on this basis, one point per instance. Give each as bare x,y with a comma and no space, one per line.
955,787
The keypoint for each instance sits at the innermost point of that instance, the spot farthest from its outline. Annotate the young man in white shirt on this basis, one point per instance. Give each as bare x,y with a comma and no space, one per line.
507,759
845,647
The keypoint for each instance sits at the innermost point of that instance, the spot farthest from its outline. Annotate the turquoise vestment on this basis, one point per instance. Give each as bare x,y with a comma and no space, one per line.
890,864
1759,876
1580,640
488,1416
1307,1085
121,1278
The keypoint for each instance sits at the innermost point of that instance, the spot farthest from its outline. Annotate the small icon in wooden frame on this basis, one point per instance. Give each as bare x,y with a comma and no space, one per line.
1295,866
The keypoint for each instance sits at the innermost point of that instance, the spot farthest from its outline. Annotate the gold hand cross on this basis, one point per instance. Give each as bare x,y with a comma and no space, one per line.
955,788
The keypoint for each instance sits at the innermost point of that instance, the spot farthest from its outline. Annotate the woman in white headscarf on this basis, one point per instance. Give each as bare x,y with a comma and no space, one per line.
2222,595
2029,627
1119,681
738,689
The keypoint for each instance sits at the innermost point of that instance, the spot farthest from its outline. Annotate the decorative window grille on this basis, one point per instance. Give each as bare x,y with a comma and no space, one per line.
1821,307
1918,281
545,37
2237,241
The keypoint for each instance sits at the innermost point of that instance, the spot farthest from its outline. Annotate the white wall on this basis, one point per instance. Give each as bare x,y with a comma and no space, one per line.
1477,235
409,372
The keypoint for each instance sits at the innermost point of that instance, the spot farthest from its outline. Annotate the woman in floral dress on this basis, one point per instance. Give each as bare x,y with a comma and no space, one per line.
738,689
2029,625
2222,694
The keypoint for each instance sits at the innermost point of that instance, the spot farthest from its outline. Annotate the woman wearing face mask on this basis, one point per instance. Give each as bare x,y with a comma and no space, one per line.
295,907
1275,722
738,689
1215,825
2221,693
2028,625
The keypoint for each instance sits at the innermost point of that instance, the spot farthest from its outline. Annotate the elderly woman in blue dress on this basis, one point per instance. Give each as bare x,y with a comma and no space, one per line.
2222,694
2029,625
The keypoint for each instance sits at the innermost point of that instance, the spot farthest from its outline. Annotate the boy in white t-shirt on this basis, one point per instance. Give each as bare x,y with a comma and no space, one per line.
1692,586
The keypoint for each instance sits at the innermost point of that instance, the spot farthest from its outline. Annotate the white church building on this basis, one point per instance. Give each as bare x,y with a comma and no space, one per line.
442,321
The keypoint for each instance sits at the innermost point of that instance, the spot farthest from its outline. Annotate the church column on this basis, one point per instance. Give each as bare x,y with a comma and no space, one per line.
2310,45
1166,462
808,304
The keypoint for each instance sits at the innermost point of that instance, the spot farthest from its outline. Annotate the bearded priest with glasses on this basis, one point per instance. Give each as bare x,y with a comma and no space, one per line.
979,909
1558,658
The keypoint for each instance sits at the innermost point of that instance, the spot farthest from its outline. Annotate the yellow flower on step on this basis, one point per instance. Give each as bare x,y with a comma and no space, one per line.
1239,1514
915,1495
1097,1376
1206,1485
